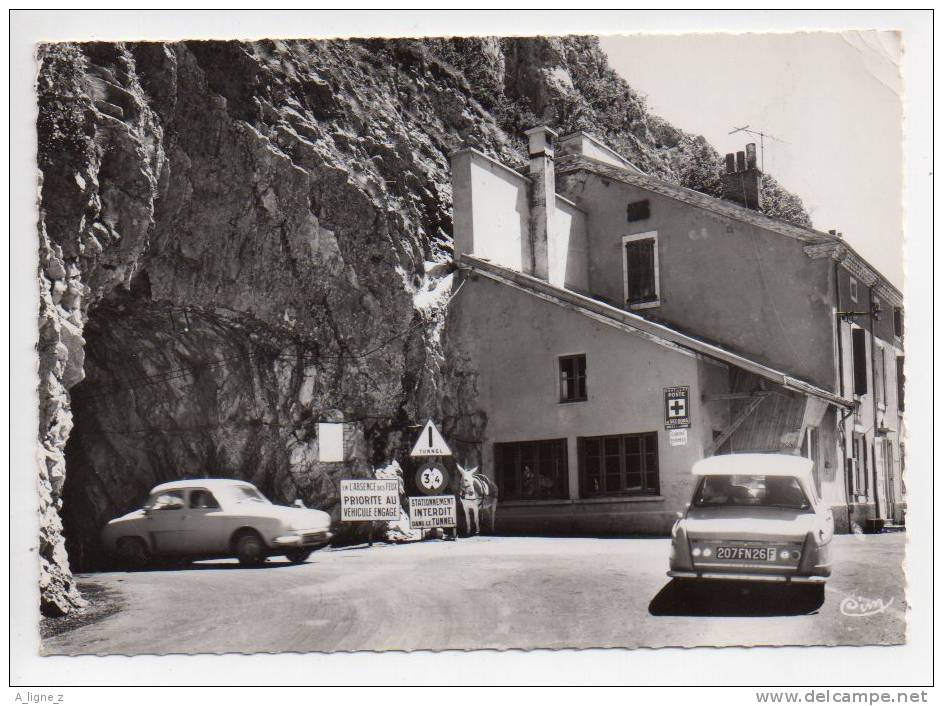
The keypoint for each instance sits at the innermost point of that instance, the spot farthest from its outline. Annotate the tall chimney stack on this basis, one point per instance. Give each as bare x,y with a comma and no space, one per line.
741,179
542,199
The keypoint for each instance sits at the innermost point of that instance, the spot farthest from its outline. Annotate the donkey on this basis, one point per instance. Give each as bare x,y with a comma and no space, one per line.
478,494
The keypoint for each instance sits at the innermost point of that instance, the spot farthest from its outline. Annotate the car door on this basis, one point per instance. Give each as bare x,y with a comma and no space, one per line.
165,522
204,524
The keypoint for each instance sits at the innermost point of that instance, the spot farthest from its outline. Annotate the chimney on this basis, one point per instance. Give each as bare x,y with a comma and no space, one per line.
741,179
543,196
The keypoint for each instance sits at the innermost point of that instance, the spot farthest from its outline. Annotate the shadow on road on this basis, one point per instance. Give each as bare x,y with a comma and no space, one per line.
735,599
206,565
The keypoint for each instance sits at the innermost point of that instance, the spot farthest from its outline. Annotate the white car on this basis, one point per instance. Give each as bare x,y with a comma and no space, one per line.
215,517
756,517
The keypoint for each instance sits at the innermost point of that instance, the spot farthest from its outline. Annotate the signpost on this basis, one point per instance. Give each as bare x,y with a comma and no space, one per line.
432,479
677,411
426,512
430,443
369,500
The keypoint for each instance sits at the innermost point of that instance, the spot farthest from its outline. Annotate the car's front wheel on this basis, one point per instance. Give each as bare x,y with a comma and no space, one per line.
133,553
298,556
250,549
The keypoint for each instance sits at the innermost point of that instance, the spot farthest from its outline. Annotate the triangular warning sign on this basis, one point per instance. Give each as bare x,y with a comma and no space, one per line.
430,443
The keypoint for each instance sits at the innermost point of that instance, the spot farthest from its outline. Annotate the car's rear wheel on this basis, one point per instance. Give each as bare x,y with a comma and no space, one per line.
250,549
298,556
133,553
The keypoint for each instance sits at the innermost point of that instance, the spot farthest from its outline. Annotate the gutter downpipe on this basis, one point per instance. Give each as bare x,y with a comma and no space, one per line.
874,406
841,391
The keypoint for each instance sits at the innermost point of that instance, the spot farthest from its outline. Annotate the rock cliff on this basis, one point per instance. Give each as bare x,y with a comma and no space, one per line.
240,240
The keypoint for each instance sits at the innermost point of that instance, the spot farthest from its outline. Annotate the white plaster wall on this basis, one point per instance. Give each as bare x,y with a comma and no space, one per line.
568,248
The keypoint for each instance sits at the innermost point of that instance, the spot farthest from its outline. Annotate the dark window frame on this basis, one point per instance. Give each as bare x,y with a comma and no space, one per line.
514,456
599,466
640,266
898,323
572,386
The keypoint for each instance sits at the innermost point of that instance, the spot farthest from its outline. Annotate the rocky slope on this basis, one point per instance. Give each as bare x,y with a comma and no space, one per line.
239,240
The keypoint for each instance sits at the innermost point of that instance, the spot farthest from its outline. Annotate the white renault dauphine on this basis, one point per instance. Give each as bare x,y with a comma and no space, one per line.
756,517
215,517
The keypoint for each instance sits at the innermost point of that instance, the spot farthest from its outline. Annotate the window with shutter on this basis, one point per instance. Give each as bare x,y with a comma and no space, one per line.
859,351
641,269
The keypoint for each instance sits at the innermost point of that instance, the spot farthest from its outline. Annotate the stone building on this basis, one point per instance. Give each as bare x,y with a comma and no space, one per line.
624,327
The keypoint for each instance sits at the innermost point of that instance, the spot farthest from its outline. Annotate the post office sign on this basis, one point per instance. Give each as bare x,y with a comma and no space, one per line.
677,409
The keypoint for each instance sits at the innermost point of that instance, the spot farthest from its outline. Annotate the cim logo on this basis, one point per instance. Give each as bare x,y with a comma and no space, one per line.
860,607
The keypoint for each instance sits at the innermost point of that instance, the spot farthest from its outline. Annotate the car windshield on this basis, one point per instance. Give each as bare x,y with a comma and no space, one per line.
752,491
248,494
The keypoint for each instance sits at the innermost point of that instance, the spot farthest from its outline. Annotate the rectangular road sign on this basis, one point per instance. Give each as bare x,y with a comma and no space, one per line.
366,499
429,511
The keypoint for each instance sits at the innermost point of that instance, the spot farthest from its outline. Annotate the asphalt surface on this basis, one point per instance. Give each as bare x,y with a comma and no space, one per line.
485,592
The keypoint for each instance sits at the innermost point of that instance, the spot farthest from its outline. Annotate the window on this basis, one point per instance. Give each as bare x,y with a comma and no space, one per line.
898,322
532,470
900,383
203,500
853,288
858,466
859,350
638,211
168,500
572,378
751,490
619,465
810,444
641,269
330,442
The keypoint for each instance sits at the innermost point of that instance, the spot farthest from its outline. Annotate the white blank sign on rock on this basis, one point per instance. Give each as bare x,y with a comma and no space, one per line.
330,442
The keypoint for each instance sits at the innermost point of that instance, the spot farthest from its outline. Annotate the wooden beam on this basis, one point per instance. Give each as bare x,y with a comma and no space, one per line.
727,396
737,422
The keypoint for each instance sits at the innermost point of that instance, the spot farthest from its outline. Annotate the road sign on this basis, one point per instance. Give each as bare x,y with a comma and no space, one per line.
677,415
432,478
430,443
363,500
426,512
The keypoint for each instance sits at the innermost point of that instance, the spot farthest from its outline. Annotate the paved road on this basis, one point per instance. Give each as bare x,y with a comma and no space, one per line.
486,592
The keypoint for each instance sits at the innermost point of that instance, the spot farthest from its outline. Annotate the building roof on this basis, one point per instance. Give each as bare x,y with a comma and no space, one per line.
754,464
633,323
818,244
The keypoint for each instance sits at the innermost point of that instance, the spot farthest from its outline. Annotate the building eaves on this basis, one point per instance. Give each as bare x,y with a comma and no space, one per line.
628,321
816,241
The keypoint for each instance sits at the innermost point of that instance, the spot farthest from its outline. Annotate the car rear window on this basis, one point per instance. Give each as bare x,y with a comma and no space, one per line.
751,490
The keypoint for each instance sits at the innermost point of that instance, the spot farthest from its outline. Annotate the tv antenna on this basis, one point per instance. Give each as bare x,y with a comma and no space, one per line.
763,137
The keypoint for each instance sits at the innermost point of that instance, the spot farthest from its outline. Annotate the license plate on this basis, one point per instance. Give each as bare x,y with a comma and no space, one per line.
746,553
